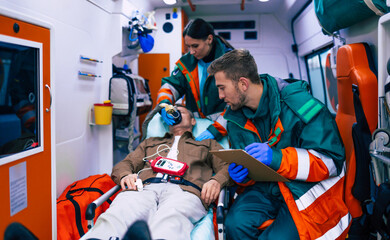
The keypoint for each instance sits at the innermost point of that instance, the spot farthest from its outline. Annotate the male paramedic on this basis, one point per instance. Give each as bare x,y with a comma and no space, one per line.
280,124
170,205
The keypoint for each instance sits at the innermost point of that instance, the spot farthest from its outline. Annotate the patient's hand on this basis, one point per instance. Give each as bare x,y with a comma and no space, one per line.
210,191
129,182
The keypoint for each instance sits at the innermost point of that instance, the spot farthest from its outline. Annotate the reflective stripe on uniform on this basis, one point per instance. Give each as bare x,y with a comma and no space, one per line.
251,127
303,164
337,230
162,98
327,161
216,117
323,203
317,190
312,165
222,122
309,109
221,129
167,91
194,85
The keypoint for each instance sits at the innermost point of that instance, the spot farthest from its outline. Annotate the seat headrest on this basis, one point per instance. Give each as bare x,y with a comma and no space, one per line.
354,67
157,128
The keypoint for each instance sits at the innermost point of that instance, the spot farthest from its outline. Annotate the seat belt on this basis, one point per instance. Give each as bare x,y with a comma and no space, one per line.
363,186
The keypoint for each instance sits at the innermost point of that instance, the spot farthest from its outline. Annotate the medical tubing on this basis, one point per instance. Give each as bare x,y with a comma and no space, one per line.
147,120
142,170
158,152
131,33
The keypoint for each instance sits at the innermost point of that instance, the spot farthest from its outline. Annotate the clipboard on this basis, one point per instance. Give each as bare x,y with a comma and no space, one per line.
258,171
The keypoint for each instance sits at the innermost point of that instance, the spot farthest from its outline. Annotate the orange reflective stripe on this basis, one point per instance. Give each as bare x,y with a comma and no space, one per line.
289,158
298,220
308,167
220,128
318,169
326,203
160,99
327,212
249,183
266,224
193,81
251,127
274,136
165,90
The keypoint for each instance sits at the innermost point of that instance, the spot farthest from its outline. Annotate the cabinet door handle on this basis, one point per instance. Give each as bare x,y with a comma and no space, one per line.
48,109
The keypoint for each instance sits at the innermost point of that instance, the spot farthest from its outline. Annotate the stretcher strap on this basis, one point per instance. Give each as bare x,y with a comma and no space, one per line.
172,179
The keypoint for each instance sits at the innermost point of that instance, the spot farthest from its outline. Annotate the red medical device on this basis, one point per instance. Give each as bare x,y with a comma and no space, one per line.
168,166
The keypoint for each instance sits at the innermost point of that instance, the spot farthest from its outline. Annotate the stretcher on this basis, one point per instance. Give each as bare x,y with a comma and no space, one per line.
209,227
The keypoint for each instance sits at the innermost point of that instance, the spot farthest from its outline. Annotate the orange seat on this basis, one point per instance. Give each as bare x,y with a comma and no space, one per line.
353,67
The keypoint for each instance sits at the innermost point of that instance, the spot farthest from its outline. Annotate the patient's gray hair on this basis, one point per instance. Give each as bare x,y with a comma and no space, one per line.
189,111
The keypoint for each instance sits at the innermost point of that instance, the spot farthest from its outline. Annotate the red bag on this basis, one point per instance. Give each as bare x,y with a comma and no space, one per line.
73,202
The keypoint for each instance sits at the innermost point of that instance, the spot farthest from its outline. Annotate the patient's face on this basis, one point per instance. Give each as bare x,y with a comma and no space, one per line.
186,120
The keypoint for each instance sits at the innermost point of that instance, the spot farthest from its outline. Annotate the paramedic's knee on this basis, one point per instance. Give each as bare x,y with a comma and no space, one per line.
236,223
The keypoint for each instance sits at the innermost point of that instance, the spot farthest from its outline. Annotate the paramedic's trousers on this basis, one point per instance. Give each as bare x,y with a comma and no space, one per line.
257,204
169,211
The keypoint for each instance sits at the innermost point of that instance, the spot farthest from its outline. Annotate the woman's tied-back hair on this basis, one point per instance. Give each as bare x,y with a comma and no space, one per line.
198,29
235,64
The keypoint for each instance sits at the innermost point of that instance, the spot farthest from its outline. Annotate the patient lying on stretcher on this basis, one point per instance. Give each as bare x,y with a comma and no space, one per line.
169,203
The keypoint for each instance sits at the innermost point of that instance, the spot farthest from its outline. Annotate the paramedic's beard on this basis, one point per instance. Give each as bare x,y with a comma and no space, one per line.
240,101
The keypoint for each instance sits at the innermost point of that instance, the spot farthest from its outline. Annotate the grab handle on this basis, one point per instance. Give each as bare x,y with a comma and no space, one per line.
48,109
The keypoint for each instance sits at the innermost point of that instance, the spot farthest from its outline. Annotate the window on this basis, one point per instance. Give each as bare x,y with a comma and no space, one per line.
19,96
323,82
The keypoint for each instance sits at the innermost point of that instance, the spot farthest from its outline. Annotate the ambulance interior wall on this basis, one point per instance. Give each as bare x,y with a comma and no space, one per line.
80,28
168,42
310,38
271,49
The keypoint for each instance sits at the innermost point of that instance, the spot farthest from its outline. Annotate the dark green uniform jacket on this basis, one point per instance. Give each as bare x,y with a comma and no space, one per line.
307,149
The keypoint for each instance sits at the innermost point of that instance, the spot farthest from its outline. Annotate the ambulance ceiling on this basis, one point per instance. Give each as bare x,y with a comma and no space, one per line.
226,7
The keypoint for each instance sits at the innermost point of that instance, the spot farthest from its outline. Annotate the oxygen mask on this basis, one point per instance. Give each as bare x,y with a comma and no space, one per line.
172,112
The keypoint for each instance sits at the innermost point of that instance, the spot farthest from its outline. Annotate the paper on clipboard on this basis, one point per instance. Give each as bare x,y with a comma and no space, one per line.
258,171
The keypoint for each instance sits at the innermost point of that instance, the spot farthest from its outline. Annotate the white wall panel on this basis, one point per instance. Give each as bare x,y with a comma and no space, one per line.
80,28
272,50
308,33
168,42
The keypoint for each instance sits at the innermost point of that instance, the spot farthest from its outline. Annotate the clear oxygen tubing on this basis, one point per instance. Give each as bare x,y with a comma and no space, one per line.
145,159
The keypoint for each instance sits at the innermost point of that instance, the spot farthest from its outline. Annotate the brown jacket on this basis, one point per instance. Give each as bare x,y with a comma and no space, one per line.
202,164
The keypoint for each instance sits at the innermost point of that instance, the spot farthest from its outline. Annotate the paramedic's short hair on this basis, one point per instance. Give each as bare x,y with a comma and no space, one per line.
198,29
235,64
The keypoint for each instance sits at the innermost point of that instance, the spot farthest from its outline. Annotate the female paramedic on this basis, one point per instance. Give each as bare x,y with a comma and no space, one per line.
190,78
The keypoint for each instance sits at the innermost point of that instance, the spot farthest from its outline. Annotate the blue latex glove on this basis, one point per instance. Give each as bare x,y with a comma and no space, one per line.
261,151
237,172
206,134
169,119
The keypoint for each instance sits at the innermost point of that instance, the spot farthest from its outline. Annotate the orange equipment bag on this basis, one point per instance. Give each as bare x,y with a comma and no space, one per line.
73,202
